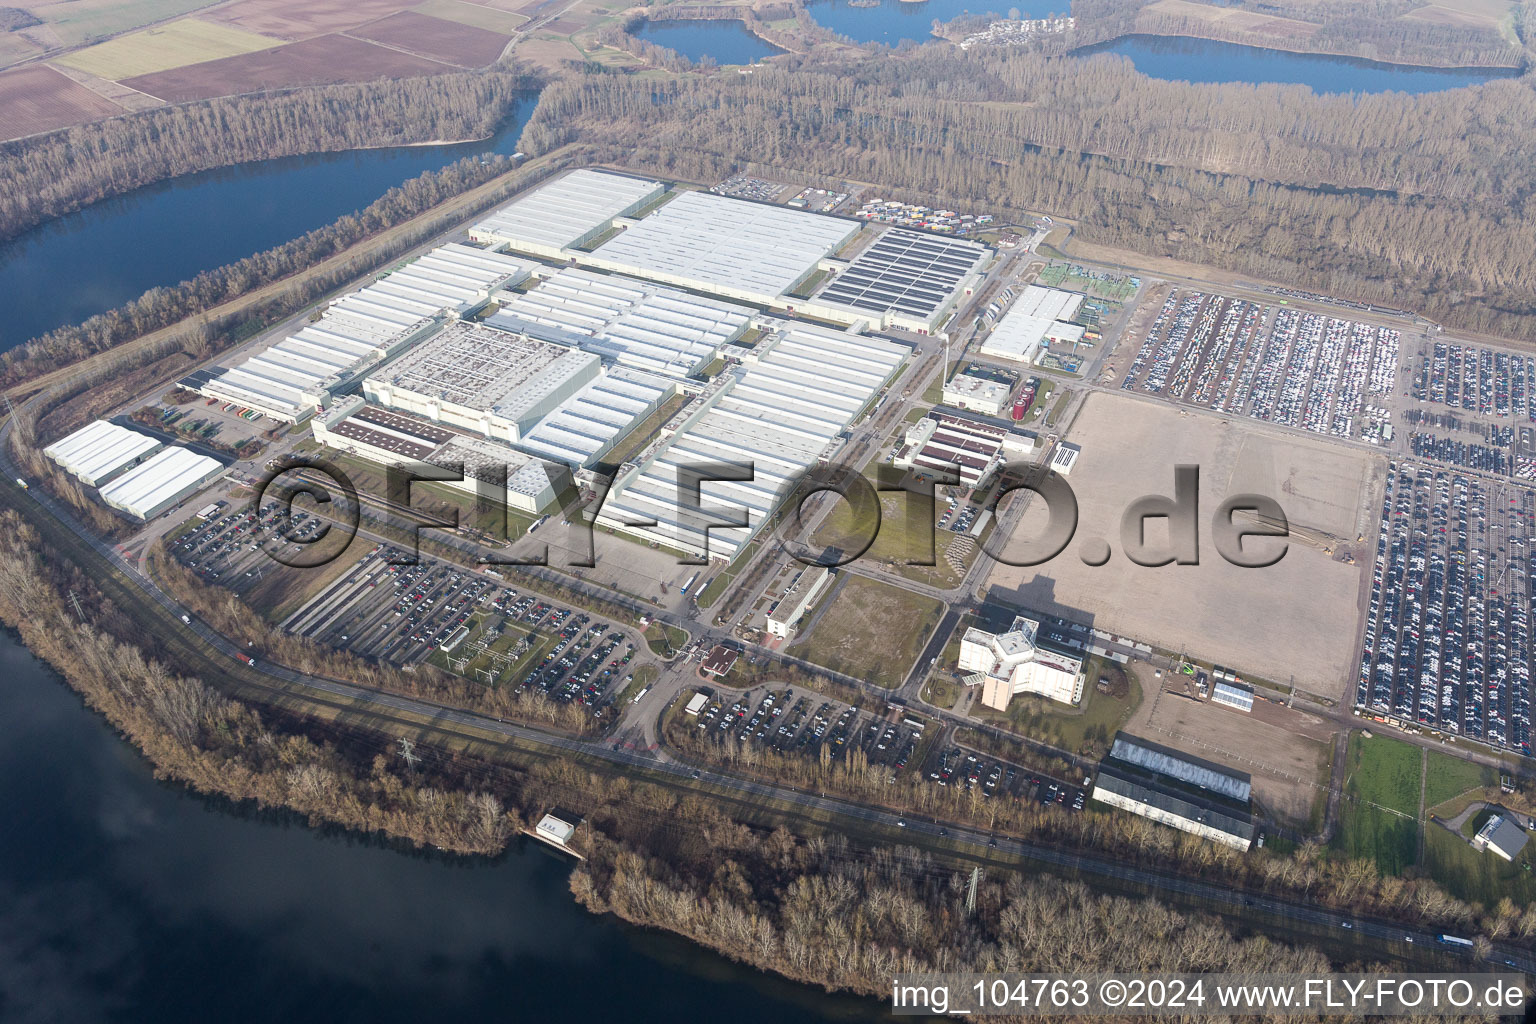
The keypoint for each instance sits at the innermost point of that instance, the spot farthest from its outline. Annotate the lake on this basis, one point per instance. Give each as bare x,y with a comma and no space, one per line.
1177,58
728,42
100,257
896,20
127,899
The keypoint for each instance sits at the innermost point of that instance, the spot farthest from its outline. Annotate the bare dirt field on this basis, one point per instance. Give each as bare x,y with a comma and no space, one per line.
298,19
39,99
478,15
173,45
1269,25
1284,751
1463,13
433,37
324,60
1298,619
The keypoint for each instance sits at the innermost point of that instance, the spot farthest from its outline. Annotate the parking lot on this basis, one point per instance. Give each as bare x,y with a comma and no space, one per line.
238,550
1447,638
484,630
787,721
1285,366
1490,392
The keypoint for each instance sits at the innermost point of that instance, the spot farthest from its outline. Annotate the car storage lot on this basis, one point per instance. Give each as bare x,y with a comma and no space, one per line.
790,721
1288,366
1448,635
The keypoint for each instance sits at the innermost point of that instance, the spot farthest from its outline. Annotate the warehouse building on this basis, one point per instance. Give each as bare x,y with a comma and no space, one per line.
813,582
906,279
390,438
99,450
586,426
976,393
727,247
1181,767
780,415
648,326
483,380
940,442
565,213
155,485
1020,661
1035,317
290,380
1228,827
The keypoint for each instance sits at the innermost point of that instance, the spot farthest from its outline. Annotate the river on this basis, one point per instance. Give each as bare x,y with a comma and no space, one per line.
98,258
127,899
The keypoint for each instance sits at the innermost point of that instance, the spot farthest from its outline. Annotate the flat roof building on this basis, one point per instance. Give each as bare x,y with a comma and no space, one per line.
155,485
906,279
981,394
1228,827
724,246
289,380
555,830
1501,837
564,213
392,438
778,415
696,703
1064,458
813,581
642,324
1020,661
483,380
101,449
1032,318
940,442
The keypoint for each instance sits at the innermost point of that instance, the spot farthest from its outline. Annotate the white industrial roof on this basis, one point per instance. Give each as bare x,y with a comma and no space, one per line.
525,474
1065,457
478,368
1239,697
1051,303
359,327
562,212
589,423
146,487
718,242
779,417
905,272
978,388
1185,769
99,449
636,323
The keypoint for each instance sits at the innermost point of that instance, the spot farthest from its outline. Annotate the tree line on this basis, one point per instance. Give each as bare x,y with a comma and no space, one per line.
1372,29
54,174
1414,202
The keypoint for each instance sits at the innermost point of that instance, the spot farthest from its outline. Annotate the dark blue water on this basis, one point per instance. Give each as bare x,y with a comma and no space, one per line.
1176,58
125,899
728,42
895,20
106,254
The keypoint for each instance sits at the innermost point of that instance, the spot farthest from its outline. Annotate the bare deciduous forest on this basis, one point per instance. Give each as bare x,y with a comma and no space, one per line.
1418,202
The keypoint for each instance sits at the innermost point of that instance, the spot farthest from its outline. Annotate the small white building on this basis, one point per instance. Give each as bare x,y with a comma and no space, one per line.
978,394
1064,458
696,703
813,582
555,830
1501,837
1017,661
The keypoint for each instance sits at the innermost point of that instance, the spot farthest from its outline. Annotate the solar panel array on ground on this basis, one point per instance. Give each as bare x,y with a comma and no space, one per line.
906,272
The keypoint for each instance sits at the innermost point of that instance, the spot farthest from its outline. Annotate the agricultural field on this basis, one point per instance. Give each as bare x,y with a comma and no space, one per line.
476,15
1268,26
870,630
300,19
324,60
188,41
1378,817
450,41
39,99
76,22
